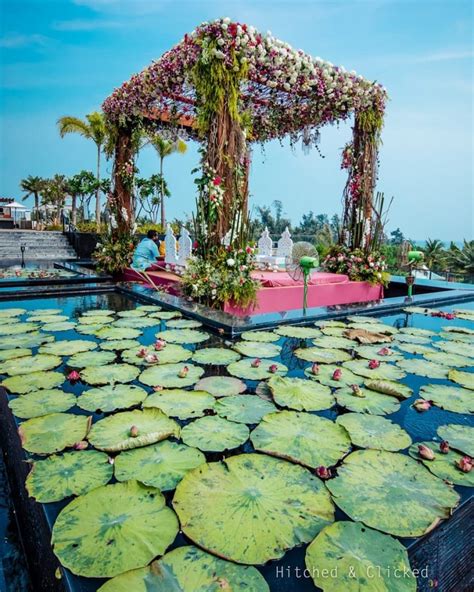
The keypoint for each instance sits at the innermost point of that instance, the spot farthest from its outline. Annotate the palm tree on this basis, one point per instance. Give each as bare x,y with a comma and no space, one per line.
33,186
434,253
165,148
462,260
54,193
93,128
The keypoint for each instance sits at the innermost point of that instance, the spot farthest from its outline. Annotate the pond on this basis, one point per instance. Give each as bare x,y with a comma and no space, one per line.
190,397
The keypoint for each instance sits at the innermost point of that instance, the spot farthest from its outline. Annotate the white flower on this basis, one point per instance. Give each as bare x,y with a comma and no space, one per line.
220,41
231,262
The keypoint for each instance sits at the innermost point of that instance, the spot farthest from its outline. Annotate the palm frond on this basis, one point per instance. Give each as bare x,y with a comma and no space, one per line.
73,125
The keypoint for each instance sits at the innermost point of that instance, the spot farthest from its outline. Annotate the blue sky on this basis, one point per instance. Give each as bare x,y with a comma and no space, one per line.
63,57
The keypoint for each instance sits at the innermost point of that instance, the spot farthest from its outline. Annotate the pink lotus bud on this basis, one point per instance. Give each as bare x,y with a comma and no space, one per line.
444,447
385,351
273,368
157,388
133,431
464,464
160,344
183,372
256,363
315,369
449,316
337,374
111,460
421,405
73,376
142,352
323,472
373,364
82,445
426,452
151,359
357,391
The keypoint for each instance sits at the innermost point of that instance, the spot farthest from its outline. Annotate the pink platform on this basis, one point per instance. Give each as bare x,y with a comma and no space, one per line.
280,293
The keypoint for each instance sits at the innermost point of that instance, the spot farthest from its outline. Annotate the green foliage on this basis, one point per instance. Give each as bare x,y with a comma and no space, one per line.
461,259
357,265
114,253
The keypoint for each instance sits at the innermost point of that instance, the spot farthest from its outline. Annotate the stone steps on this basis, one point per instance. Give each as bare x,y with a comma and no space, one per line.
38,245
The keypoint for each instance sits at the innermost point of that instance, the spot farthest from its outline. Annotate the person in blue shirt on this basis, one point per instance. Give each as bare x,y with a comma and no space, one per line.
146,252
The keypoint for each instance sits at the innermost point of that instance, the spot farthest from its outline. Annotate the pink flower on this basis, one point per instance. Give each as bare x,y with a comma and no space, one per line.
373,364
273,368
160,344
323,472
464,464
337,374
151,359
384,351
217,181
421,405
82,445
183,372
426,452
157,388
449,316
256,363
142,352
73,376
133,431
444,447
315,369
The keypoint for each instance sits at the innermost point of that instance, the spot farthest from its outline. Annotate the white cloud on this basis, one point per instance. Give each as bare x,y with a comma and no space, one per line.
17,40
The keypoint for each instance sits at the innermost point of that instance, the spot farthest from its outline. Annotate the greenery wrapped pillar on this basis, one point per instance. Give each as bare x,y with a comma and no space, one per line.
121,200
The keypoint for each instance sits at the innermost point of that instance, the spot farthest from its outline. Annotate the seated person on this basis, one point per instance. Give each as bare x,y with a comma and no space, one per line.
146,252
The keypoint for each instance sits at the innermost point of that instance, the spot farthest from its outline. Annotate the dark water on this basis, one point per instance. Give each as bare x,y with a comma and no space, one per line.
281,575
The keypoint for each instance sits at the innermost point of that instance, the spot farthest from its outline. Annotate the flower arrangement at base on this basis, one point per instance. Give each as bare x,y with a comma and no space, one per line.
357,264
114,253
224,276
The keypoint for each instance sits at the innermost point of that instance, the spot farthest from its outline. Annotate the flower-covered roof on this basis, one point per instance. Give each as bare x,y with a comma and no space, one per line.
287,92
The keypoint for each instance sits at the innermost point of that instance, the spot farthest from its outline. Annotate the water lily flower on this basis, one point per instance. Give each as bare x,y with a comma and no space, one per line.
421,405
464,464
82,445
315,369
133,431
160,344
142,352
337,374
357,391
111,460
256,363
385,351
373,364
444,447
323,472
183,372
151,359
73,376
157,388
273,368
426,452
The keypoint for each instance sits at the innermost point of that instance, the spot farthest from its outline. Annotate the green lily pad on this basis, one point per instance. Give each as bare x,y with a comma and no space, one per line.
30,340
89,329
149,307
215,356
91,359
416,499
450,398
214,434
18,328
183,324
269,505
322,356
362,319
25,383
42,402
97,320
329,342
460,437
165,315
418,310
110,398
112,529
374,327
417,339
300,394
413,348
417,331
443,465
389,387
119,344
465,379
371,352
7,313
109,373
58,327
301,437
136,312
372,431
221,386
27,364
455,337
136,323
8,354
47,319
168,375
114,433
67,347
262,336
298,332
422,367
363,559
244,408
117,333
257,349
183,335
326,372
188,569
181,403
244,369
333,331
53,432
171,354
98,312
73,473
161,465
330,323
456,329
454,347
385,371
370,402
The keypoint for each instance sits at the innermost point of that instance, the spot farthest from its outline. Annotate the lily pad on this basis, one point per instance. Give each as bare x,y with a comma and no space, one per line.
114,433
183,324
27,364
372,431
53,432
244,369
417,331
423,368
42,402
389,387
7,313
117,333
414,348
325,376
363,559
215,356
67,347
58,327
109,373
18,328
8,354
89,329
136,312
188,569
417,339
262,336
181,403
329,323
73,473
30,340
443,465
165,315
416,499
91,359
221,386
455,337
362,319
329,342
112,529
453,347
161,465
183,335
322,356
374,327
25,383
301,437
97,320
371,352
300,394
288,506
149,308
257,349
171,375
119,344
110,398
334,331
450,398
298,332
244,408
171,354
457,329
214,434
55,318
460,437
369,402
98,311
385,371
465,379
136,323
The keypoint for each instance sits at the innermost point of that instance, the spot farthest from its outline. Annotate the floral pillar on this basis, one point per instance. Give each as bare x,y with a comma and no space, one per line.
121,201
